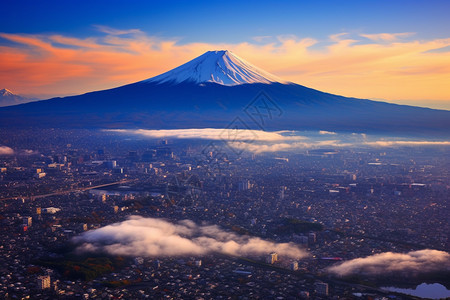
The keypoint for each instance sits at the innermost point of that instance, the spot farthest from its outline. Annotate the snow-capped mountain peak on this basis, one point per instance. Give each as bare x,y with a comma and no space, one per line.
222,67
9,98
6,92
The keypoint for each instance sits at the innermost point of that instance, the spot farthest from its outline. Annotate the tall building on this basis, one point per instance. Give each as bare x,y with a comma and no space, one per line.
164,152
304,295
55,285
43,282
157,264
139,260
300,239
311,238
245,185
110,164
133,156
272,258
27,221
101,154
282,192
322,288
149,155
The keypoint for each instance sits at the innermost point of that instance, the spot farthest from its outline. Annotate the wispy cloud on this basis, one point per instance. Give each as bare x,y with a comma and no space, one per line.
213,134
28,152
114,31
349,64
279,147
388,37
422,261
140,236
258,141
326,132
335,143
407,143
5,150
262,38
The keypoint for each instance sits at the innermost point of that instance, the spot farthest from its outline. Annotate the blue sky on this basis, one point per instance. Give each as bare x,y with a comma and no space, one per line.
228,21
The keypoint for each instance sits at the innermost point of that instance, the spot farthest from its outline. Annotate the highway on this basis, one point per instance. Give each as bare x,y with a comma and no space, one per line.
34,197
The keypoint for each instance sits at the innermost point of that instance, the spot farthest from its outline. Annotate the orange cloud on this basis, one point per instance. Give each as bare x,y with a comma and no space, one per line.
385,66
387,36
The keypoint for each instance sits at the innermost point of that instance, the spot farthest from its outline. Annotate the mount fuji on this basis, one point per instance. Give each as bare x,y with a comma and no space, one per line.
215,89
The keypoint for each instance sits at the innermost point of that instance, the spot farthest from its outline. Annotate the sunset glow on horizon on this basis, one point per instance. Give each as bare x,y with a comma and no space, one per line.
401,67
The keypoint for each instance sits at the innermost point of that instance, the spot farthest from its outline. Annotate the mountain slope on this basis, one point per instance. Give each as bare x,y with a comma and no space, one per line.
186,97
9,98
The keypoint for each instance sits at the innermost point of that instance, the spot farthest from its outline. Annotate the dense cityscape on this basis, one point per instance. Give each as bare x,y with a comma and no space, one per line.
330,205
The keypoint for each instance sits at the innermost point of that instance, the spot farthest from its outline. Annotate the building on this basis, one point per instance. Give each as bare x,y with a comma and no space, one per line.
110,164
244,185
311,238
300,239
27,221
139,260
40,175
157,264
304,295
43,282
51,210
282,192
294,266
272,258
117,170
55,286
321,288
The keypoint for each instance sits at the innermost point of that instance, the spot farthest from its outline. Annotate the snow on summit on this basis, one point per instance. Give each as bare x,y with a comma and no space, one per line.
222,67
6,92
9,98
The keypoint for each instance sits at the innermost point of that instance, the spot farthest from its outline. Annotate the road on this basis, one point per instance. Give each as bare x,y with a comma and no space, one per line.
34,197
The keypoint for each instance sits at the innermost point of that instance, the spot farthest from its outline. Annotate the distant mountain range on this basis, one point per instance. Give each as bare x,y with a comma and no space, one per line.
9,98
219,89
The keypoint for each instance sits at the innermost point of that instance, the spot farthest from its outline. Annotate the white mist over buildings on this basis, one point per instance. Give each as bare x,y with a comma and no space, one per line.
422,261
140,236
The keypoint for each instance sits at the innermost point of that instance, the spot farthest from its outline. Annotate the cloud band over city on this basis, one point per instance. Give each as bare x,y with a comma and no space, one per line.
259,141
140,236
